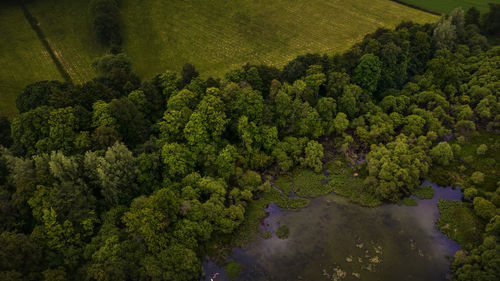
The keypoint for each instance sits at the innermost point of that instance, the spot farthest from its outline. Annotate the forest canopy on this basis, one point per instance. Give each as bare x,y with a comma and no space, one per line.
123,179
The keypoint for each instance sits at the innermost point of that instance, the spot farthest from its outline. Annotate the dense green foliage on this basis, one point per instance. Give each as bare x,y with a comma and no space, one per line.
122,179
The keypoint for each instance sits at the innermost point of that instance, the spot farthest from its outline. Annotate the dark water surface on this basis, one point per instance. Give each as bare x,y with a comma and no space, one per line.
333,239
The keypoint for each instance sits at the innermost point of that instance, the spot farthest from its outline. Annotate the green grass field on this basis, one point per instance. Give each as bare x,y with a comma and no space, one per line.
446,6
217,36
23,59
214,35
66,26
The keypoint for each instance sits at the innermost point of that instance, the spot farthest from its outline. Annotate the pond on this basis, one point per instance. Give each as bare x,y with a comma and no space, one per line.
333,239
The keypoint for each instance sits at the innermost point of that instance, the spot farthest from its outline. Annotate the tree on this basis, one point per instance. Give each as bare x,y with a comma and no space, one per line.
31,128
130,122
253,78
207,123
349,101
169,83
470,193
472,16
484,208
20,255
420,53
115,71
414,124
341,123
326,109
37,94
445,34
313,155
116,174
490,21
481,150
226,161
297,68
395,169
442,153
5,138
314,79
179,160
63,127
465,127
477,177
336,83
188,73
367,73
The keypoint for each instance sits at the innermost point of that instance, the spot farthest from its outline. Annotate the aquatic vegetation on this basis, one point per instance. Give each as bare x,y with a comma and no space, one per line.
310,184
424,192
409,201
284,202
283,183
233,269
267,234
347,185
458,221
283,232
336,166
336,274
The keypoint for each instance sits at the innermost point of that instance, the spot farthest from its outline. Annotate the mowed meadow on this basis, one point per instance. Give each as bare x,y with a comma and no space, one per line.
217,35
23,59
214,35
446,6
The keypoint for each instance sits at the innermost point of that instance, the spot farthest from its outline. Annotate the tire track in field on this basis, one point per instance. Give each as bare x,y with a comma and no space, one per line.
35,26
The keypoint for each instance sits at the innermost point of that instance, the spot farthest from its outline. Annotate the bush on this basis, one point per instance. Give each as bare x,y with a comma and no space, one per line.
106,22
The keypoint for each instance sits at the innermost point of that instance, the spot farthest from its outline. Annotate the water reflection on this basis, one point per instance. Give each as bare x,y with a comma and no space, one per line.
333,239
